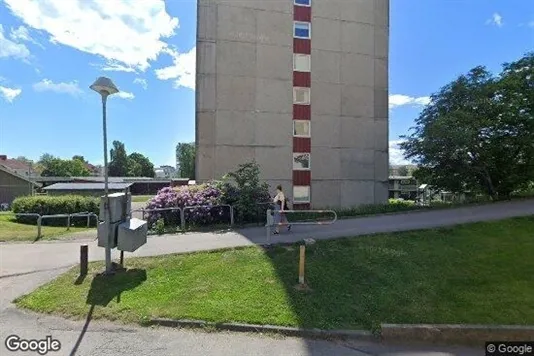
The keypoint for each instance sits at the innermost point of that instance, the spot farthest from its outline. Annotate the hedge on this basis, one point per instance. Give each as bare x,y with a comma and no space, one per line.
52,205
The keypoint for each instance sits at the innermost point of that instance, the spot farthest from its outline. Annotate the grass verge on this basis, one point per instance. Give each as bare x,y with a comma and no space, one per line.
141,198
11,230
476,273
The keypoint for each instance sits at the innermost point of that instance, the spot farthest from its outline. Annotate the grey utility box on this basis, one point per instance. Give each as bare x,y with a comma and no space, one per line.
131,235
102,233
120,205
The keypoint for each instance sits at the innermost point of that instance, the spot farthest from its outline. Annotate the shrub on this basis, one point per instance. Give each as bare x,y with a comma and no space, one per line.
52,205
247,192
205,196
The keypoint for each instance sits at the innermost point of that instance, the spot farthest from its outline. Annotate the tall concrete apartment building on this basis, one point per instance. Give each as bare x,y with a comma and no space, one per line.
301,86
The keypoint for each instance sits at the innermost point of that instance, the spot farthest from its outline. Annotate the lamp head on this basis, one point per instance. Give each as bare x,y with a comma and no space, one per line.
104,86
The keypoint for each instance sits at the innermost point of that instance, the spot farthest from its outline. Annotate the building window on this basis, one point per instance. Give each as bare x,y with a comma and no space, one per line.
301,96
301,128
302,30
301,194
301,62
301,161
303,2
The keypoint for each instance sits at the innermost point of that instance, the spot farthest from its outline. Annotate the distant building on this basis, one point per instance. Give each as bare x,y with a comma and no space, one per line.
92,189
20,167
404,187
13,185
165,172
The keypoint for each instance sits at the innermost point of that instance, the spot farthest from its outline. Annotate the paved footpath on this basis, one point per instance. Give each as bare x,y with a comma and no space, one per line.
24,267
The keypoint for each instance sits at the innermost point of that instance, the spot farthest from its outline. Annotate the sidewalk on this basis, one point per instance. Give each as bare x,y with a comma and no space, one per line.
27,258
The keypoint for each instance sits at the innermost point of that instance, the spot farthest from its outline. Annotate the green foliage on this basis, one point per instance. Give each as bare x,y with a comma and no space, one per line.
118,165
140,166
159,227
57,167
134,165
51,205
185,154
250,191
403,171
477,132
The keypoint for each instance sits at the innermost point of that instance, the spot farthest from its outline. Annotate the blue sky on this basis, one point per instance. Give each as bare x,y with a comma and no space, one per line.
52,50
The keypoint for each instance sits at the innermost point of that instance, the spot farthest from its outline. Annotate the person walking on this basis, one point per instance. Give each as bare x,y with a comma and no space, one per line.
280,204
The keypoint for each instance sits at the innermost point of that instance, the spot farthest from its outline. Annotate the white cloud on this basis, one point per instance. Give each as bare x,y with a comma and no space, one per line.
530,24
116,67
496,20
182,71
141,82
9,48
124,95
124,32
396,100
9,94
22,34
71,88
395,154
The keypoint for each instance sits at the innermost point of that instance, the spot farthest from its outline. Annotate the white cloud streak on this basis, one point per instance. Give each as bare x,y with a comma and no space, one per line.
396,154
127,34
71,88
397,100
496,20
9,94
9,48
124,95
23,34
141,82
182,71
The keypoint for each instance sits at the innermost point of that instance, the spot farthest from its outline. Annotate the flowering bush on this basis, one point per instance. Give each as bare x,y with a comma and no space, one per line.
244,193
204,196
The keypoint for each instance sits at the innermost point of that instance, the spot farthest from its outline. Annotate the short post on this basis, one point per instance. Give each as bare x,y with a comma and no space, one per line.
302,261
39,220
68,222
182,218
83,259
143,216
122,259
268,224
88,220
231,215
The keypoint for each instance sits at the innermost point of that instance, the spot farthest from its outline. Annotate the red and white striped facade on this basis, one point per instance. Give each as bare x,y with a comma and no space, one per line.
302,112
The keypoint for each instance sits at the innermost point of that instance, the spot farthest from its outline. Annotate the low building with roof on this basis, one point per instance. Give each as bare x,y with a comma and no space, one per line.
90,189
14,185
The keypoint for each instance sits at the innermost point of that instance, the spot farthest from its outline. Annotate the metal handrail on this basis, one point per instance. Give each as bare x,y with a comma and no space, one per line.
182,211
270,220
68,216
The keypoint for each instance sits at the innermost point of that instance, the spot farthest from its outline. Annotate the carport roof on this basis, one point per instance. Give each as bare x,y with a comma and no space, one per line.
87,186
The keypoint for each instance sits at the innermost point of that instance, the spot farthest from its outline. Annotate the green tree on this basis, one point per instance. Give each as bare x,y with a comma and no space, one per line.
57,167
185,155
477,132
118,164
140,166
80,158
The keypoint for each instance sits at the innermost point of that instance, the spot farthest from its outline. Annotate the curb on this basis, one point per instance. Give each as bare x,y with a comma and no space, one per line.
468,335
251,328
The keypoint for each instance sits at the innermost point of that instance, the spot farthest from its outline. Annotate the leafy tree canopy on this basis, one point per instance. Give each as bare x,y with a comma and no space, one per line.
478,132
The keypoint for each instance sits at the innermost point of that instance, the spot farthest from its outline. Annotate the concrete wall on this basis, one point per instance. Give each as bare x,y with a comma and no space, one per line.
244,100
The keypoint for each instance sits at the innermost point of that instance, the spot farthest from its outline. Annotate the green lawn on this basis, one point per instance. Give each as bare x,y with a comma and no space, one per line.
10,230
141,198
479,273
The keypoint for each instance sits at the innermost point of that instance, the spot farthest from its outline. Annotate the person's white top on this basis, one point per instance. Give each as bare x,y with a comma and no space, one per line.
280,197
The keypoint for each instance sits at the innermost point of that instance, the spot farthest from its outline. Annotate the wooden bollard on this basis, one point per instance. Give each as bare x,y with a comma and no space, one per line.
302,261
83,259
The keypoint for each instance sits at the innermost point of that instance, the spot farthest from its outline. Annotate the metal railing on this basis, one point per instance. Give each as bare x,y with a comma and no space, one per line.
143,211
40,219
270,219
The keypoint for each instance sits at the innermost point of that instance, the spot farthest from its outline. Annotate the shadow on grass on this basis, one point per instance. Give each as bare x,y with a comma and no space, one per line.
104,288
